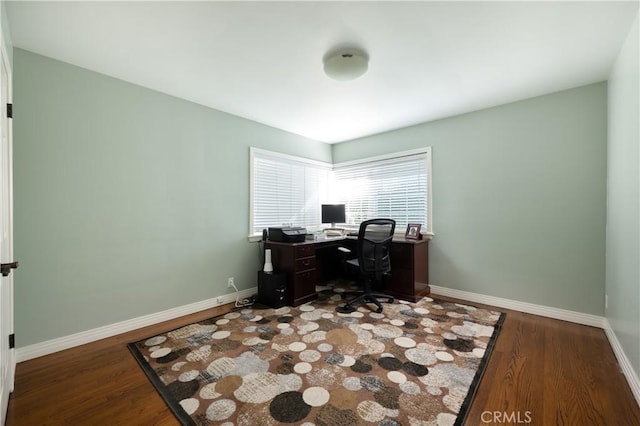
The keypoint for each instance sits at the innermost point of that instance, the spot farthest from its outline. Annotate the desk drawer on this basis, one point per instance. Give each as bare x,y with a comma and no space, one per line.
305,263
305,251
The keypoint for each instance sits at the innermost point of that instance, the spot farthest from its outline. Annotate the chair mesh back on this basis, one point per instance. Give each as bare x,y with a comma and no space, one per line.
374,245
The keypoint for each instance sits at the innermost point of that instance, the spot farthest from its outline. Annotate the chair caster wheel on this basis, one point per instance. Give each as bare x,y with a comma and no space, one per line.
346,309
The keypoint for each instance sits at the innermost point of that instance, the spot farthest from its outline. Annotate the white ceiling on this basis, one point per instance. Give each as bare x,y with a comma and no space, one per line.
263,60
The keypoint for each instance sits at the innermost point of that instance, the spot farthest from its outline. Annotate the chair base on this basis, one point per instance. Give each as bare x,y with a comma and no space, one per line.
365,298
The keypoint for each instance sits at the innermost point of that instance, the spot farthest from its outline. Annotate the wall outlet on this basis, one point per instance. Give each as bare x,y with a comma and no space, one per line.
230,282
219,300
606,301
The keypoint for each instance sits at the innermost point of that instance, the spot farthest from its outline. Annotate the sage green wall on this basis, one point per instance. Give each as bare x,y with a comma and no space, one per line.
518,197
623,200
127,201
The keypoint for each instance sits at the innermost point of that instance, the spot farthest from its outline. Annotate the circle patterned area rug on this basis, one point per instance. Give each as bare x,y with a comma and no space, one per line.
412,364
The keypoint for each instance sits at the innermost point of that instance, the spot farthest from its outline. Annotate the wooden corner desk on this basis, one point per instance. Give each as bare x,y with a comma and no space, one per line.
315,261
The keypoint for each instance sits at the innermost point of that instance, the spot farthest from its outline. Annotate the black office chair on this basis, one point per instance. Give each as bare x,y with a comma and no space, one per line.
373,261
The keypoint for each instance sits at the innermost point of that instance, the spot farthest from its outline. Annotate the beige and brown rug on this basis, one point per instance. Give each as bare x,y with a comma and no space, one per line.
413,364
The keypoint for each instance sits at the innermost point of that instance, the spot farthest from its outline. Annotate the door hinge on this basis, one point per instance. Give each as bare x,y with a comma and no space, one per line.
10,110
12,340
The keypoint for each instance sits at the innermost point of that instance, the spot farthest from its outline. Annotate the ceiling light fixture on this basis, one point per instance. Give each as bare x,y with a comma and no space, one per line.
346,64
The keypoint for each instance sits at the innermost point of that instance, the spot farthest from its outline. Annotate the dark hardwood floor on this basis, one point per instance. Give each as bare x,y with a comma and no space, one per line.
552,372
542,372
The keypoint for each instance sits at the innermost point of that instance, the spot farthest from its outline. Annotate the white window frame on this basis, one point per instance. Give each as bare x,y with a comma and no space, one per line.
428,225
427,229
254,236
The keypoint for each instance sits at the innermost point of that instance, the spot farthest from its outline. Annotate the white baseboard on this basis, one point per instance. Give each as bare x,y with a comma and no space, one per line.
625,364
530,308
66,342
50,346
556,313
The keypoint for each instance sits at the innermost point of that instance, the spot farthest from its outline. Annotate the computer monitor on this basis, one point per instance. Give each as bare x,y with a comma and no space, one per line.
333,213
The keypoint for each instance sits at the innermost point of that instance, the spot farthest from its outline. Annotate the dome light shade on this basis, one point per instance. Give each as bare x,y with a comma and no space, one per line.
346,64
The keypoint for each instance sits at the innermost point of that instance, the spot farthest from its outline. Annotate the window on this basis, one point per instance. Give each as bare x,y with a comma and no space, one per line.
286,190
290,190
396,187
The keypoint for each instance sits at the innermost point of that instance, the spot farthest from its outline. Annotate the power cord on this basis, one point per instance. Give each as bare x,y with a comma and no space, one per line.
241,303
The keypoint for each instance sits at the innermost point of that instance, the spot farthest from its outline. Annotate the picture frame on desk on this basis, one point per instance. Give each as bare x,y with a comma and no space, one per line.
413,231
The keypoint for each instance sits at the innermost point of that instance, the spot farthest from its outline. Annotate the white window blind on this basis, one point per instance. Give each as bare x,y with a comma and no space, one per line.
286,190
290,190
396,188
